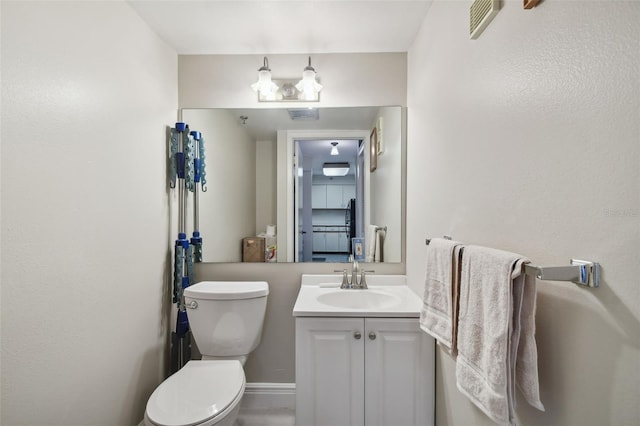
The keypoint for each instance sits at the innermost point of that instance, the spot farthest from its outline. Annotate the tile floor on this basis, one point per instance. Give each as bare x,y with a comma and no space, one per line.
266,417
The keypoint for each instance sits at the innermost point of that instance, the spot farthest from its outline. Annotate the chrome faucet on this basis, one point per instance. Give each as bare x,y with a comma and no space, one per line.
354,282
355,268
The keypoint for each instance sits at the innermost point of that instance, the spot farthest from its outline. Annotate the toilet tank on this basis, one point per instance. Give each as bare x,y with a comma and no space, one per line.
227,316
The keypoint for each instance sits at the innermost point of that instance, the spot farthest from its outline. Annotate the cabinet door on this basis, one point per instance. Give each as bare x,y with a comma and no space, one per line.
333,242
343,243
334,197
319,242
318,196
400,362
330,372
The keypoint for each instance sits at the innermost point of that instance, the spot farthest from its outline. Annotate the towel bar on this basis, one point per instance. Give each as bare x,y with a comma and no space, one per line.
582,272
428,240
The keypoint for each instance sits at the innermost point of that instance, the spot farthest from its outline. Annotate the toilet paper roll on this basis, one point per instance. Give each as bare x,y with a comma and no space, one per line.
271,230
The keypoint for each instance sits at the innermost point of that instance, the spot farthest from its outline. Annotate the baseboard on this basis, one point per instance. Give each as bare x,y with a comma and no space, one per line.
269,395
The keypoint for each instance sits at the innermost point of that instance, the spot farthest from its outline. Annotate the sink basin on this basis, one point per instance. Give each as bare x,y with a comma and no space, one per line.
388,296
358,299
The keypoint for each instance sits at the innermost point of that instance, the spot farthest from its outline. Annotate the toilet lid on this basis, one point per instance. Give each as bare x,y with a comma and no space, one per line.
227,290
196,393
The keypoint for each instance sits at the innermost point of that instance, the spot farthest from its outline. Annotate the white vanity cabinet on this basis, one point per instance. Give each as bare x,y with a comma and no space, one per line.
362,372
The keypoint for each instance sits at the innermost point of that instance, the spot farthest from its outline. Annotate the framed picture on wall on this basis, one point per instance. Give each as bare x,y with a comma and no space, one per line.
373,150
379,136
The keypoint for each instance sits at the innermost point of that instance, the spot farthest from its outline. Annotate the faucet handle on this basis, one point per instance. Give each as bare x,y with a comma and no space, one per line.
345,279
363,281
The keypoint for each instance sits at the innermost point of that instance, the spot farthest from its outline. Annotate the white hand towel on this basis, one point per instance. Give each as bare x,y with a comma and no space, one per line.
370,242
496,342
527,356
378,248
438,316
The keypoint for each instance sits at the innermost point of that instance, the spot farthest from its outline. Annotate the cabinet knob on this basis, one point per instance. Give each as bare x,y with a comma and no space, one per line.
372,336
357,335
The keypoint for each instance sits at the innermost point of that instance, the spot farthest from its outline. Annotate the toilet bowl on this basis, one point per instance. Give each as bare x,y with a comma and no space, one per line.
202,393
226,320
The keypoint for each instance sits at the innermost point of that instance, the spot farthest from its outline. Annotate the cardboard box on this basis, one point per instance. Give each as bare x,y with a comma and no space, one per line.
253,249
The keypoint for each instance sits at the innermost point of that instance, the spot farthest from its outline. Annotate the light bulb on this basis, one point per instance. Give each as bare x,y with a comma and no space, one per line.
308,86
264,85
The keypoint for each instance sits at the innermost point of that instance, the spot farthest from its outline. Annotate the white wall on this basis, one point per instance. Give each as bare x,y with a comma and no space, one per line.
266,185
527,139
349,79
87,93
386,180
227,210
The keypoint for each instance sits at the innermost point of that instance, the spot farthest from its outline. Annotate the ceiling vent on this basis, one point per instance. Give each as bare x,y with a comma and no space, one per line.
307,114
481,13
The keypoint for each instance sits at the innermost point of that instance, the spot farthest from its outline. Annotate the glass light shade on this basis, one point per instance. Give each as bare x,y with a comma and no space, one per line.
308,86
264,85
334,150
335,169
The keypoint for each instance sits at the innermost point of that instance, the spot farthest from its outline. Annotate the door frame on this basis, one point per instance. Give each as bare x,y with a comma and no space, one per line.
286,180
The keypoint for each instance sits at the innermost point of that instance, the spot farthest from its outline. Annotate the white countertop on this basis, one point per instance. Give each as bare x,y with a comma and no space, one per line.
398,300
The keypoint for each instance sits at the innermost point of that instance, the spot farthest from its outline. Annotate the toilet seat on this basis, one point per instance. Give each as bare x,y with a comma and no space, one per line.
202,392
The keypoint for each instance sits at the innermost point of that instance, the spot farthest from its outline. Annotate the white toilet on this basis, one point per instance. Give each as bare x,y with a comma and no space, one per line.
226,321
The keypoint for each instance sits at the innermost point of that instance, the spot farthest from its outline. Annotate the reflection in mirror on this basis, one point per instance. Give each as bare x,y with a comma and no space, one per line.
276,192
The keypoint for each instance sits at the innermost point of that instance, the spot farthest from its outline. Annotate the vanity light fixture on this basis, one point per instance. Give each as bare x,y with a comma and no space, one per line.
308,86
335,169
274,90
334,148
264,86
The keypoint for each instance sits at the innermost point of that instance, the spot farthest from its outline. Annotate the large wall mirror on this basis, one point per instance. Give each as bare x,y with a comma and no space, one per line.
302,184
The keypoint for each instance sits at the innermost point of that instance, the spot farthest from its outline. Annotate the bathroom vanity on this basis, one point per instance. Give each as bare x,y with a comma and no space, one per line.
361,358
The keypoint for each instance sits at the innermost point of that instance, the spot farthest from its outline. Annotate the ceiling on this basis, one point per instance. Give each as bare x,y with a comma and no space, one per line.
262,124
215,27
318,151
